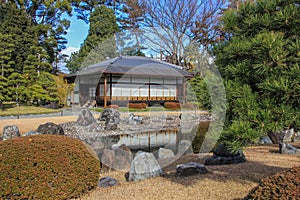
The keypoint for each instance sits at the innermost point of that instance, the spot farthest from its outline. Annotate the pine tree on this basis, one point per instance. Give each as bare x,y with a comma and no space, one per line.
260,64
6,49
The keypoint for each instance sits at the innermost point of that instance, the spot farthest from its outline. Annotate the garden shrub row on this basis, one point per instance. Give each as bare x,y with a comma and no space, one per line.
139,106
172,105
46,167
113,106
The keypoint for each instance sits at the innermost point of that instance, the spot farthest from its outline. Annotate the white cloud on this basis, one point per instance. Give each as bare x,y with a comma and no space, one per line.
68,51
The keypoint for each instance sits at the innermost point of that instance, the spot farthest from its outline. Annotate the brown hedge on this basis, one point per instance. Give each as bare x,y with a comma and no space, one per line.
139,106
46,167
281,186
113,106
172,105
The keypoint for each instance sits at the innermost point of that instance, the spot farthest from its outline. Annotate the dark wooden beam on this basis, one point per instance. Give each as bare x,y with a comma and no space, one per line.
105,86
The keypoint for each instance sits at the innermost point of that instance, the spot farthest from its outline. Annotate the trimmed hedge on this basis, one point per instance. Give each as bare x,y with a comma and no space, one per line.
172,105
285,185
113,106
139,106
46,167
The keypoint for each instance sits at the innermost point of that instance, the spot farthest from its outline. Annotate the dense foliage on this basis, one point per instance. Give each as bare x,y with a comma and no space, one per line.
260,65
285,185
46,167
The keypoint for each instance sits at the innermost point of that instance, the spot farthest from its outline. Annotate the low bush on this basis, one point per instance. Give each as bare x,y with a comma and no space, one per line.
285,185
46,167
172,105
139,106
113,106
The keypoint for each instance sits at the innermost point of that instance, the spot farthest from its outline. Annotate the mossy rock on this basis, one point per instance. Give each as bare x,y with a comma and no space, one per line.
46,167
285,185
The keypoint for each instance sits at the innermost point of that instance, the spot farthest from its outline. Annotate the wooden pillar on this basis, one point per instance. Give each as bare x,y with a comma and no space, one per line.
105,88
110,87
184,90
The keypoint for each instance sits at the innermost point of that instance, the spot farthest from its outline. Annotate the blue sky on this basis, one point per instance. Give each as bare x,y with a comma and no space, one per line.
76,34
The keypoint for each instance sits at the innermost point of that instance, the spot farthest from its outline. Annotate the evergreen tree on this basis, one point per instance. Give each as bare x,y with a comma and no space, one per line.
4,92
6,49
260,64
14,22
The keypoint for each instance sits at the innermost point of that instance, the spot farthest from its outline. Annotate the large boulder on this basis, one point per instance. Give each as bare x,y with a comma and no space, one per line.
165,153
184,147
190,169
265,140
111,117
50,128
144,166
288,149
10,131
85,118
223,156
108,158
123,158
282,136
107,182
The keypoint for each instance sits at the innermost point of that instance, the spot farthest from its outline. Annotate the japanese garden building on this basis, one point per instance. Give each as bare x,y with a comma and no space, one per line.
130,79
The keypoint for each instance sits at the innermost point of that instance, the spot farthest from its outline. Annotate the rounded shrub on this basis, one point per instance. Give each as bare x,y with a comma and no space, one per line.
172,105
46,167
113,106
285,185
139,106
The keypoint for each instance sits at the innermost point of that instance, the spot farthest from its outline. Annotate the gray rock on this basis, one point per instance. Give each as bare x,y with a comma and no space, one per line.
277,137
50,128
190,169
85,118
184,147
289,134
10,131
143,166
107,182
31,132
71,129
165,153
265,140
111,117
223,156
123,158
108,158
288,149
296,137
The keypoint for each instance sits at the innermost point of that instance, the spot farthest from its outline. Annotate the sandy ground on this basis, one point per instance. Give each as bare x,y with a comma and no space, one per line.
222,182
32,124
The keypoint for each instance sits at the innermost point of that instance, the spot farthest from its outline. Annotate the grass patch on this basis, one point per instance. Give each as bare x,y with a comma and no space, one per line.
46,167
26,110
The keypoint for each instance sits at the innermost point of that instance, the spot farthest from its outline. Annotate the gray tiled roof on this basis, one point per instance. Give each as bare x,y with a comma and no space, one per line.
135,65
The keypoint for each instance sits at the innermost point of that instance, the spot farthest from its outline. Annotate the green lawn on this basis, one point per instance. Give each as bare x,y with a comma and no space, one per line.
25,110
